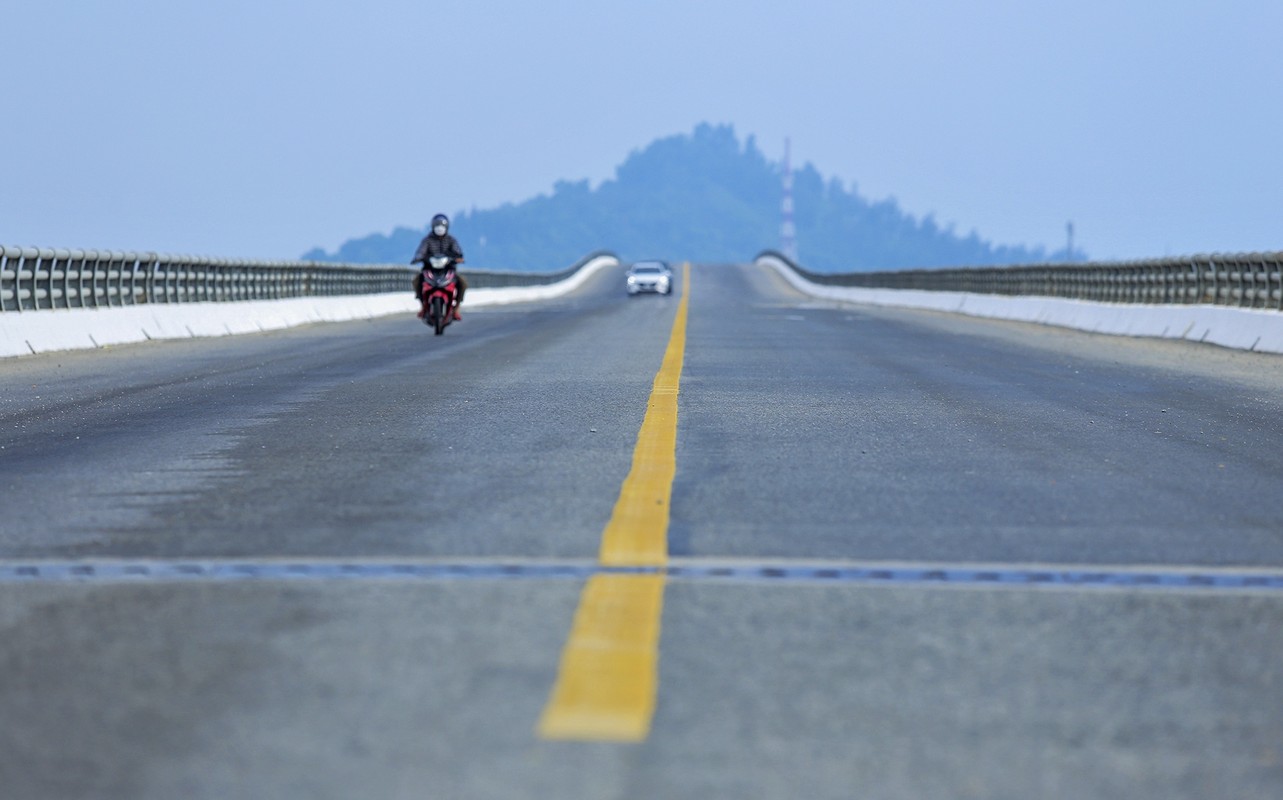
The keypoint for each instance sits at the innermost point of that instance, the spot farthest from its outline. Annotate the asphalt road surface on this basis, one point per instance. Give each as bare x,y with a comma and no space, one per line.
912,556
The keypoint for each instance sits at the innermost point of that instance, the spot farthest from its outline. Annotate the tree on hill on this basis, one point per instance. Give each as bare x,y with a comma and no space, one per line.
698,197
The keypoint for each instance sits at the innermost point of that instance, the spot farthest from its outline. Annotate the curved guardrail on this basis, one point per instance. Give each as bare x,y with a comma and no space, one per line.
34,279
1251,280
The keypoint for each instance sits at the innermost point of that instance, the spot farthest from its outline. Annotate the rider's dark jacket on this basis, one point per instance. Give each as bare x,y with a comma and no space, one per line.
433,245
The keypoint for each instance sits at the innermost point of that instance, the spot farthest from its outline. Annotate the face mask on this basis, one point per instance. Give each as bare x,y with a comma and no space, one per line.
439,230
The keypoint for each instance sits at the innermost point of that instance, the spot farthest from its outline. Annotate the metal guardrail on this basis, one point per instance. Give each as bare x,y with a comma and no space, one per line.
34,279
1252,280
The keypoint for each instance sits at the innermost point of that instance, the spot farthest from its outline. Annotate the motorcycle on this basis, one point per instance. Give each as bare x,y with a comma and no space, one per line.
439,285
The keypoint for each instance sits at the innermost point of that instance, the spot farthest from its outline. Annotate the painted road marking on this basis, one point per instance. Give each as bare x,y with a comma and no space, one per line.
609,671
1014,576
637,533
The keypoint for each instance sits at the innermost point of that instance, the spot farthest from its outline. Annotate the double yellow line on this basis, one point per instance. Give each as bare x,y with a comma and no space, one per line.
609,671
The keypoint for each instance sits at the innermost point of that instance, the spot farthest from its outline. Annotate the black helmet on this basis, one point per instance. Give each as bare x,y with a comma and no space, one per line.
440,224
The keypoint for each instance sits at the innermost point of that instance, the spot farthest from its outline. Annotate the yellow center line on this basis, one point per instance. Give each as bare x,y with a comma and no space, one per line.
609,673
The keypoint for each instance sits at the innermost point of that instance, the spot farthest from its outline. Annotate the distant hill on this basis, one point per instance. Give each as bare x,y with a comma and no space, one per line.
698,197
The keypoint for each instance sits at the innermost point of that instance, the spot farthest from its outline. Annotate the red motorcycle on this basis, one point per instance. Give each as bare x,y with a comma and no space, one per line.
439,292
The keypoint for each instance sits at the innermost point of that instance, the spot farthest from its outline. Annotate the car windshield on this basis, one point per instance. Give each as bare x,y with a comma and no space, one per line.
648,268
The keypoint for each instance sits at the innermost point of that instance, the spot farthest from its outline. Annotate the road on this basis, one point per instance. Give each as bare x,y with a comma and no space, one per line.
909,555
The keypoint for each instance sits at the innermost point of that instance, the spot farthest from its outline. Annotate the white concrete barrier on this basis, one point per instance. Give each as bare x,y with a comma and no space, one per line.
28,332
1238,328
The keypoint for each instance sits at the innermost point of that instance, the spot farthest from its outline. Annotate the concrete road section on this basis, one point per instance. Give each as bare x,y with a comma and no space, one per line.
900,435
344,559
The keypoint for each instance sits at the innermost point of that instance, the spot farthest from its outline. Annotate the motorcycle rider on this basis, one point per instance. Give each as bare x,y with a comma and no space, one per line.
439,242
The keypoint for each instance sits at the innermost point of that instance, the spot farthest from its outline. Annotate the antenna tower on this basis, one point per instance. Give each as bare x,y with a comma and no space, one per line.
788,233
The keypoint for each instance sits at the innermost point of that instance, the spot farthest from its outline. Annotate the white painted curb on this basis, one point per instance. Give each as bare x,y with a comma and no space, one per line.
25,333
1257,330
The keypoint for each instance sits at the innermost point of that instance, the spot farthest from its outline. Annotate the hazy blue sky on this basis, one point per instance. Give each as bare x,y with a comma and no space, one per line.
262,128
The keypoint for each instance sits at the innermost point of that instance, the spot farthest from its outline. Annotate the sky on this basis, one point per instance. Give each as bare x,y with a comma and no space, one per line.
263,128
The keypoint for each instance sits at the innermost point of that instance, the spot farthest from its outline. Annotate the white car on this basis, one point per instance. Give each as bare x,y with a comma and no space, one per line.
650,276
